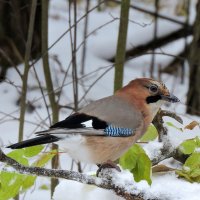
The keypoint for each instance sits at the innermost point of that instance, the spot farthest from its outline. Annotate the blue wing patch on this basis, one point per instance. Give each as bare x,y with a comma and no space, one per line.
115,131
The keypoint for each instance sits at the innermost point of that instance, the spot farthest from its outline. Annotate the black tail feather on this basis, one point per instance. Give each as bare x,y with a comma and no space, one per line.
44,139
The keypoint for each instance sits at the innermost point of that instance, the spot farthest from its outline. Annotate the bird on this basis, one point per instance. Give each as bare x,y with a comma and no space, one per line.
117,122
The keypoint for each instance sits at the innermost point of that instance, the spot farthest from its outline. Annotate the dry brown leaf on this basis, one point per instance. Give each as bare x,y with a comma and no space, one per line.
192,125
161,168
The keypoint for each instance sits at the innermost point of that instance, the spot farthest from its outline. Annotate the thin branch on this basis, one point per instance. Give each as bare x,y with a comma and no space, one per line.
78,47
155,38
41,90
63,34
153,13
3,53
109,66
26,69
84,38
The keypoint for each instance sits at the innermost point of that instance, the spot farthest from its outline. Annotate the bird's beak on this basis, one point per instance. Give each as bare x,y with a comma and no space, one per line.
171,98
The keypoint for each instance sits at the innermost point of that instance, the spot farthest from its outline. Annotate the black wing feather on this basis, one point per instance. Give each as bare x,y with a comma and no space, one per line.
75,121
72,122
44,139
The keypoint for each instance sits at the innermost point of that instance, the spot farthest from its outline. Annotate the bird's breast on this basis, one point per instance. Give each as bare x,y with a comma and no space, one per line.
109,148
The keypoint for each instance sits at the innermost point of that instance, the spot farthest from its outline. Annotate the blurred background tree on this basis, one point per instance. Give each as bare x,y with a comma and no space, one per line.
14,21
193,97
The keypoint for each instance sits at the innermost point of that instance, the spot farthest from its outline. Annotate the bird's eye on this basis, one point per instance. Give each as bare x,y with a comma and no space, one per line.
153,88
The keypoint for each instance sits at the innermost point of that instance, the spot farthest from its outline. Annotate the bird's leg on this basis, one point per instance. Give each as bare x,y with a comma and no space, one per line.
108,164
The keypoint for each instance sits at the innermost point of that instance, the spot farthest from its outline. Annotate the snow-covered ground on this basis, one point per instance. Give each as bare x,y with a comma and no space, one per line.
100,45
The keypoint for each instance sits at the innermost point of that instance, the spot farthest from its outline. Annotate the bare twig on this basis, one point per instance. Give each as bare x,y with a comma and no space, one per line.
3,53
155,38
153,13
41,90
84,38
26,69
74,61
63,34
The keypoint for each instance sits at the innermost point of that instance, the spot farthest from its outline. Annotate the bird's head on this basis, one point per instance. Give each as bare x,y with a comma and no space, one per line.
154,91
147,92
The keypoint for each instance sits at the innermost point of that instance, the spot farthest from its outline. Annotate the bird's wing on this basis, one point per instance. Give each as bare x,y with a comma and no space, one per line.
116,111
110,112
63,132
111,116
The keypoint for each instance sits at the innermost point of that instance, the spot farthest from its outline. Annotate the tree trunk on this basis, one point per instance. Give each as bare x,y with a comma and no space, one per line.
193,97
121,44
49,83
14,23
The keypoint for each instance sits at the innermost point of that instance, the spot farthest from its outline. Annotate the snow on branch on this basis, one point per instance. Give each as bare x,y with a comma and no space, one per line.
106,179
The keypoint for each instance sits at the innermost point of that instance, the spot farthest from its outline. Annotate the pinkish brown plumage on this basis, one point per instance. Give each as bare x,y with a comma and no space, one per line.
118,121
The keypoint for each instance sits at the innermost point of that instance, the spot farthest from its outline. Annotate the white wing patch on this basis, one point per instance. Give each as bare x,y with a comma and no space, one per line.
87,123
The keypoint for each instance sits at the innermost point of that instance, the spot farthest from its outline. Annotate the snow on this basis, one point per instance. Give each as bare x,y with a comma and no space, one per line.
65,190
168,186
101,45
164,185
153,149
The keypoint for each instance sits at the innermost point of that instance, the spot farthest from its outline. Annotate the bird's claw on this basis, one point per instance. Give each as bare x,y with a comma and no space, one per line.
108,164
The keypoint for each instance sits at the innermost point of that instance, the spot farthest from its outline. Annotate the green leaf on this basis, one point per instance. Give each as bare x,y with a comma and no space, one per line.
172,125
151,134
189,146
10,184
142,170
128,160
191,168
44,158
29,180
193,161
33,151
18,155
136,160
184,174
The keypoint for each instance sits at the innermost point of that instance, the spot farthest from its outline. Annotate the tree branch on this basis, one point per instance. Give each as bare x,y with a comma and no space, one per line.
161,41
105,180
158,122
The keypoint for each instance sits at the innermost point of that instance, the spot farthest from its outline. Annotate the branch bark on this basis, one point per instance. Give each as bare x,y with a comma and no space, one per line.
158,122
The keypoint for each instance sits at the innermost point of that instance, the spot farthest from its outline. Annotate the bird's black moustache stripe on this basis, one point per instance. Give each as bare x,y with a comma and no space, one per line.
153,99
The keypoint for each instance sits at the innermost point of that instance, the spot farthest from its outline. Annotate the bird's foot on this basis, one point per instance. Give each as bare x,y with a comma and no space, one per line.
108,164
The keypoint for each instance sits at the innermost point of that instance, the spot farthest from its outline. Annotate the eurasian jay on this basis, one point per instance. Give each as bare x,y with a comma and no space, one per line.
118,121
